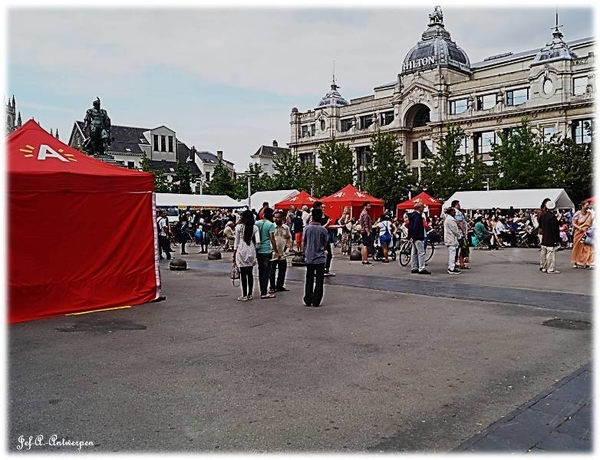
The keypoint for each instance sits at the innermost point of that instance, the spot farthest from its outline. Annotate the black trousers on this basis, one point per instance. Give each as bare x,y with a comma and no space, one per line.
184,240
164,245
247,280
264,272
279,266
329,257
313,286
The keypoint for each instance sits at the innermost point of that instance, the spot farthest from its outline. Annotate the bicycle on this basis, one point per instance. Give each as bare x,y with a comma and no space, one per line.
405,252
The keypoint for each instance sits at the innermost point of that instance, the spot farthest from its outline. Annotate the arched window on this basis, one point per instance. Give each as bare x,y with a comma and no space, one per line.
421,117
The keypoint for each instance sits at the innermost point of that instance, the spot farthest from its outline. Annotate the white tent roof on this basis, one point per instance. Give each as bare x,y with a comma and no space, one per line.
200,201
504,199
271,197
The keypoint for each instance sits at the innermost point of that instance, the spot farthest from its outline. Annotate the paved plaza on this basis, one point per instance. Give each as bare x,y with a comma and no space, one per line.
391,362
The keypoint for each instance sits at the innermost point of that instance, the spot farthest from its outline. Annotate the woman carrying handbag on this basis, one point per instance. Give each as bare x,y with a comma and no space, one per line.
583,254
244,252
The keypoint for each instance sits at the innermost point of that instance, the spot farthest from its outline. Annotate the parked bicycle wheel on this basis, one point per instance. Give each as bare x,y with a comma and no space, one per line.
404,256
429,250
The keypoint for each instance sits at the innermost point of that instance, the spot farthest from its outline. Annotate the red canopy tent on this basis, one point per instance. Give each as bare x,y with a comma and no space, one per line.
435,206
351,196
81,233
303,198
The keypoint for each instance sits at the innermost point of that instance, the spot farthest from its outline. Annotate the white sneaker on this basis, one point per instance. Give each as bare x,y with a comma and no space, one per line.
243,298
543,270
553,272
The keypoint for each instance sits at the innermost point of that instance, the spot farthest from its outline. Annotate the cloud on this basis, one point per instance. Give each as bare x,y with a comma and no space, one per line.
260,62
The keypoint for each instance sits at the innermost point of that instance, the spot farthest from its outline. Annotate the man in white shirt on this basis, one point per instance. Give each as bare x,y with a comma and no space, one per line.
305,215
163,235
283,241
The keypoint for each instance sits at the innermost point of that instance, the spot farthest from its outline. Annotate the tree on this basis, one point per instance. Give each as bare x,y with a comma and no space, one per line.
573,167
221,183
522,159
388,175
291,173
259,181
446,171
160,180
182,179
337,168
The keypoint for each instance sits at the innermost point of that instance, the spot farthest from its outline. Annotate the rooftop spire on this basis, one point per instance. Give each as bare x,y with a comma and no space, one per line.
557,34
333,85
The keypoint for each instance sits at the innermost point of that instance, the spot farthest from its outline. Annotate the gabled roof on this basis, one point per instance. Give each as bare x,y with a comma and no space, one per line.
126,138
207,157
270,151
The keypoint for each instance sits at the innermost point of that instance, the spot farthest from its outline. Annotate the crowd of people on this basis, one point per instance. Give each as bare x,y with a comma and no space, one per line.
267,237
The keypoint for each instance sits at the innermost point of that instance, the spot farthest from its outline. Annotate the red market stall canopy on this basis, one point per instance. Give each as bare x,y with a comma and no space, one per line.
435,207
80,232
303,198
351,196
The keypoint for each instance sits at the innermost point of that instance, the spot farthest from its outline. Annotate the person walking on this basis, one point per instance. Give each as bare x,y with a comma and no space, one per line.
184,231
550,238
366,228
462,253
314,240
386,230
416,234
451,236
344,221
264,252
246,237
325,221
283,241
164,235
582,255
298,226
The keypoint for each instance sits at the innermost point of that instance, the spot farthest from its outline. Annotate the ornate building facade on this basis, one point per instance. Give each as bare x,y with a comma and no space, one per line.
553,87
13,118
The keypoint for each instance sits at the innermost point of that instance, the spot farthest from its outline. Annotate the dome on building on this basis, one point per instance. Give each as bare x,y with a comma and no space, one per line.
436,48
333,97
557,50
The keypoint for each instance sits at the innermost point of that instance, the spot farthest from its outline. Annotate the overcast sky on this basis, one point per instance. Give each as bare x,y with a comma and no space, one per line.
227,79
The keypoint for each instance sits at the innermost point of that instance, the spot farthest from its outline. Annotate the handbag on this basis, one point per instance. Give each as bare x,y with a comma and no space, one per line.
588,238
234,273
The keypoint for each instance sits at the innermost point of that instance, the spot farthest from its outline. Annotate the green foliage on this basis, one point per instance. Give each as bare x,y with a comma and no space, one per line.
221,183
523,160
446,171
573,168
160,180
388,176
291,173
182,179
337,168
145,163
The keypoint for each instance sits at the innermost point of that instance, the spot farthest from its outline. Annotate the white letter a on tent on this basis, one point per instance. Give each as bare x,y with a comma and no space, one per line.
48,152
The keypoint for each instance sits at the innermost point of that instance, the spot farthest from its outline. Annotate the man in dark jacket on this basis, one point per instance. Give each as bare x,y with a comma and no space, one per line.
416,234
550,238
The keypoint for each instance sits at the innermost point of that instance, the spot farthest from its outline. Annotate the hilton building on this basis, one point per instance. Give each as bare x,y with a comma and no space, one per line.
438,86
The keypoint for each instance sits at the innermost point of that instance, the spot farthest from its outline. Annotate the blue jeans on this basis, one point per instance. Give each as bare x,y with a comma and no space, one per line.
264,271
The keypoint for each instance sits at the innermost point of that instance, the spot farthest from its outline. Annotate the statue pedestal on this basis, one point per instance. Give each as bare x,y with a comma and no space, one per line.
108,159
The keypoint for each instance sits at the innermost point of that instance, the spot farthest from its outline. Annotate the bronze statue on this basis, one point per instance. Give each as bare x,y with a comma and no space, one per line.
97,126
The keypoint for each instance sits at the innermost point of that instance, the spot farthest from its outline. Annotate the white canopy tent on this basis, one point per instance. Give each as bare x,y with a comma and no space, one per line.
198,201
504,199
271,197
